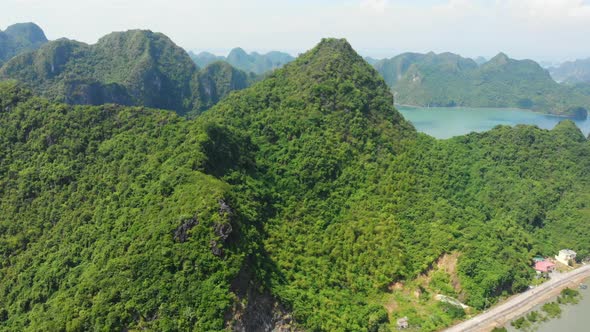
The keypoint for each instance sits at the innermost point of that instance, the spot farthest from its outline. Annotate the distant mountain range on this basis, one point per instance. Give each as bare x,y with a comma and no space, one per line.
480,60
448,79
135,67
19,38
253,62
143,68
572,72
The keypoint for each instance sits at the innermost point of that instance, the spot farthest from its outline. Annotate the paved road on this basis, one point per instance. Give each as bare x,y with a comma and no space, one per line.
484,321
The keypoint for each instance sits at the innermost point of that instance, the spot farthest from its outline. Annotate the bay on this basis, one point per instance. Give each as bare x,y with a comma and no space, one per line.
446,122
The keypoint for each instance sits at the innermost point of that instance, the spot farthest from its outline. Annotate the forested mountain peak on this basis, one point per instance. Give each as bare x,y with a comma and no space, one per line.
332,59
524,71
237,54
137,39
134,67
29,32
19,38
500,58
328,103
334,79
449,61
503,60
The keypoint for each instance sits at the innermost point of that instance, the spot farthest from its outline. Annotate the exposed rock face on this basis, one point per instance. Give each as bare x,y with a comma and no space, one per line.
217,80
224,209
181,233
263,314
255,311
222,230
80,92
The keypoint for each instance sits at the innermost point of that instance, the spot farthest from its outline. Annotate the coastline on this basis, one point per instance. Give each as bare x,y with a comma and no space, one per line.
547,297
570,117
519,304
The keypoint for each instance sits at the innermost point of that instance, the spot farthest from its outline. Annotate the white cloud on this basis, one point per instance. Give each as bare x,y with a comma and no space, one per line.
521,28
376,5
546,9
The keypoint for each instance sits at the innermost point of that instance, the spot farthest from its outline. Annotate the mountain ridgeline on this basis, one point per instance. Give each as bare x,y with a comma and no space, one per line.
135,67
251,63
572,72
19,38
303,202
447,79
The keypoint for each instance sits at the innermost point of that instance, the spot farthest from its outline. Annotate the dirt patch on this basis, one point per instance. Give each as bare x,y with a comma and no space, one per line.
391,306
396,286
448,263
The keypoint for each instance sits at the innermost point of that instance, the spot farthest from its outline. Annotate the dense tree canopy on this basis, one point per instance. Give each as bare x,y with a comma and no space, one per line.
308,186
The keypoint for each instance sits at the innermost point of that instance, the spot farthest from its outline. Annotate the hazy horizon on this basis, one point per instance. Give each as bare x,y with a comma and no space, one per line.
542,30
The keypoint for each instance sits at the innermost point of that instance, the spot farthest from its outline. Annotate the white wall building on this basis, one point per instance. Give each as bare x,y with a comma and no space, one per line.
565,256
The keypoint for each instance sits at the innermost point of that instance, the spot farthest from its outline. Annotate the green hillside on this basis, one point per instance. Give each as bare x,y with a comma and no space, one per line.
19,38
217,80
304,201
449,80
135,67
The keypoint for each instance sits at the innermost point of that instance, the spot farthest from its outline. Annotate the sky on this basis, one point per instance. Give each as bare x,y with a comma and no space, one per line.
544,30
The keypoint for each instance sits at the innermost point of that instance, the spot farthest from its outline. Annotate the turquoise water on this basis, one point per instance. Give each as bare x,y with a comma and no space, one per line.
574,318
445,122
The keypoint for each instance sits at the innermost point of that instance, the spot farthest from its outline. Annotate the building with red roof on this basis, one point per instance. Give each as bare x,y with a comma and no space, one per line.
544,266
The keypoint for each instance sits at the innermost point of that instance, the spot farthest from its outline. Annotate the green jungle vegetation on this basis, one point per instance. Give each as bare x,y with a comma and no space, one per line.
552,309
308,186
254,62
569,296
136,67
448,80
19,38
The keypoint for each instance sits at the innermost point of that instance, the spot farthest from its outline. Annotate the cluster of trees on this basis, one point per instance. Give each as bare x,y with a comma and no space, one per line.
450,80
114,217
309,185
